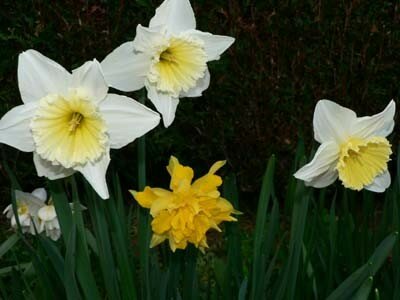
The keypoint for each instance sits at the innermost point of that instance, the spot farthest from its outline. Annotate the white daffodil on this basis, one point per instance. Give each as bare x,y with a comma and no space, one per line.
169,58
354,149
49,222
28,205
69,121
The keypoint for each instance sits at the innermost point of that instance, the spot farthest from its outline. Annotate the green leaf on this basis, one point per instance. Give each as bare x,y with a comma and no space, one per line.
54,255
8,244
365,289
299,215
258,267
100,226
6,270
71,285
347,289
243,289
234,272
118,224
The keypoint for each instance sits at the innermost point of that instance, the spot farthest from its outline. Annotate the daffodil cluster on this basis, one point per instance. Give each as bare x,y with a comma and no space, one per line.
70,121
35,214
189,210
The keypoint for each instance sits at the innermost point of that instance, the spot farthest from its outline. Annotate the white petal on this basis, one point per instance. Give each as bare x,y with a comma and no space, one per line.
164,103
24,220
40,193
47,213
54,234
320,172
148,40
125,70
201,85
33,203
175,15
324,179
39,76
126,119
332,122
42,226
8,211
380,184
15,127
47,169
214,45
377,125
95,174
89,80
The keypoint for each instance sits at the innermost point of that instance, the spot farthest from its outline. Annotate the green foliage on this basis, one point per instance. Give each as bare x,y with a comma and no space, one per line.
325,246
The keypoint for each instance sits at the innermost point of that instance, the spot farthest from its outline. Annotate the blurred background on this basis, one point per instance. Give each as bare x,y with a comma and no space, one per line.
287,56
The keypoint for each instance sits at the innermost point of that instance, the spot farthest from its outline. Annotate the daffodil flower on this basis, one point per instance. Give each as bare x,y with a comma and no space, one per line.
35,214
353,149
49,222
187,212
28,205
169,58
69,121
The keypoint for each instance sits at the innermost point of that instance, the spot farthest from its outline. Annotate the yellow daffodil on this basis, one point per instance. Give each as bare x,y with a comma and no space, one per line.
353,149
185,214
169,58
69,121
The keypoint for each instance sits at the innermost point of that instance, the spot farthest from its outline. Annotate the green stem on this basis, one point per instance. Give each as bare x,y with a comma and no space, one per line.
144,222
142,155
142,163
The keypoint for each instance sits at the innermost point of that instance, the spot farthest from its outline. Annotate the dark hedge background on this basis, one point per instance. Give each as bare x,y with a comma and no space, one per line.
287,56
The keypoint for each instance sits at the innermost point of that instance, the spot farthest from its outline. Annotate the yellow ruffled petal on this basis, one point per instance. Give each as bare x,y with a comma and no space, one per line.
145,198
161,192
207,184
161,204
157,239
224,205
201,224
181,176
362,160
162,223
173,161
177,245
215,167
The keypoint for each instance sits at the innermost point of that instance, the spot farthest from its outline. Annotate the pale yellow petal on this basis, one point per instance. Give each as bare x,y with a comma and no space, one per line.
362,160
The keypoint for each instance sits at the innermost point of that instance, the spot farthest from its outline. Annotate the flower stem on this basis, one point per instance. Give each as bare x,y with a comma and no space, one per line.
144,222
142,163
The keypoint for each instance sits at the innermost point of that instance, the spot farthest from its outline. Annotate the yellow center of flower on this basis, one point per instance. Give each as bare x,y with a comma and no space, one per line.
75,121
68,131
22,209
179,65
362,160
